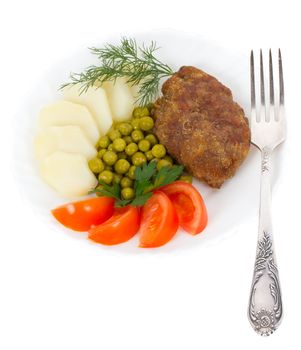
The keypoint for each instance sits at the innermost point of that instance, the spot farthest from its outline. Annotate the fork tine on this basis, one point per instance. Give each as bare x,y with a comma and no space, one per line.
281,83
267,118
271,78
272,94
253,97
262,93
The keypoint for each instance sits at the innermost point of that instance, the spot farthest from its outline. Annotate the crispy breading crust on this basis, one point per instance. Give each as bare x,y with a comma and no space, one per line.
201,126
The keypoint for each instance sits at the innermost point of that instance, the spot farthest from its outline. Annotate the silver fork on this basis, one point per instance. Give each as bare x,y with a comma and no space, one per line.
268,131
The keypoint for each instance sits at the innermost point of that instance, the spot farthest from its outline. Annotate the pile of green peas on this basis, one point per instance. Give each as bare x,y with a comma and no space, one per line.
127,145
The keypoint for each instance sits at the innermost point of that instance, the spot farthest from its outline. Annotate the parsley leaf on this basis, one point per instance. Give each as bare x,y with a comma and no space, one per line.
143,175
147,180
141,200
145,172
107,190
122,203
143,184
167,175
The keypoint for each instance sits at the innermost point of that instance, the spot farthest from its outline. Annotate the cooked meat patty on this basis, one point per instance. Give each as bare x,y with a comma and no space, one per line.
201,126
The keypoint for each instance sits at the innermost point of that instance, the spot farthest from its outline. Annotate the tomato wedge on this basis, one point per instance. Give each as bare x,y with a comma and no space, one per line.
159,221
122,226
82,215
189,205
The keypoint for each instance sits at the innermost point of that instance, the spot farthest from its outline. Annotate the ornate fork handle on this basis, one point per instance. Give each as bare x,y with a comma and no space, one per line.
265,305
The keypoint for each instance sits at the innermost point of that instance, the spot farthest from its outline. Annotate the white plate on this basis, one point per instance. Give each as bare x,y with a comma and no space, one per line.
227,207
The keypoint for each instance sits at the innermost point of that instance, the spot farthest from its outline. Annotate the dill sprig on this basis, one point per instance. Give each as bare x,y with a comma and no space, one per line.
137,64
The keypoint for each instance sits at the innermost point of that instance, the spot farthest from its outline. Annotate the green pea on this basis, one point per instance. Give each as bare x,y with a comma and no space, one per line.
127,193
110,157
108,167
104,142
117,178
96,165
138,159
186,178
137,135
131,172
135,124
110,147
126,182
119,145
145,111
152,139
131,149
144,145
128,139
121,166
162,163
168,158
125,129
149,156
106,176
114,134
122,155
140,112
146,123
159,151
101,153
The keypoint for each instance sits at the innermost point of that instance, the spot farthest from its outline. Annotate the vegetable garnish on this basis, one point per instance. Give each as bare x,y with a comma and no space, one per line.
85,214
189,205
159,221
147,180
137,64
121,227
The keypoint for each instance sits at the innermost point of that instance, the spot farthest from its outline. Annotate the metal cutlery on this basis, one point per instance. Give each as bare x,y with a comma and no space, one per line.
268,130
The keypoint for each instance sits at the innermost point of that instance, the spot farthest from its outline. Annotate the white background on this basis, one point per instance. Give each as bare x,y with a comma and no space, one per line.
62,294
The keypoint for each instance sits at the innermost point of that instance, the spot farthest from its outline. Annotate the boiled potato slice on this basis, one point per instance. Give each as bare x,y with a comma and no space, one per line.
120,98
63,138
68,174
95,99
63,113
134,91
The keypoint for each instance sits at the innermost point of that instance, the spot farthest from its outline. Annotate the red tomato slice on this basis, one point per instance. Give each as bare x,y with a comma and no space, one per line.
159,221
82,215
189,205
122,226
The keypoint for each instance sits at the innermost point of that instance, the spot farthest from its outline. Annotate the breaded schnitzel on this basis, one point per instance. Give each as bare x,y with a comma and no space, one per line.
201,126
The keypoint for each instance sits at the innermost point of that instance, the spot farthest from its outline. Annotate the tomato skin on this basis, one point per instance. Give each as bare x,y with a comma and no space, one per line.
189,205
159,221
82,215
121,227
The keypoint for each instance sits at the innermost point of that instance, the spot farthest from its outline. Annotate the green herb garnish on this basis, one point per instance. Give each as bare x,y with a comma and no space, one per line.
147,180
107,190
137,64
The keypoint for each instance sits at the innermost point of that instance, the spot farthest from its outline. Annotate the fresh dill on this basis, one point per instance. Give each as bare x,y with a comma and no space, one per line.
137,64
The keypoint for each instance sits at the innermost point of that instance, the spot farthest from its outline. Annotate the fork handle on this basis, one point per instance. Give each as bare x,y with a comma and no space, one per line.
265,304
